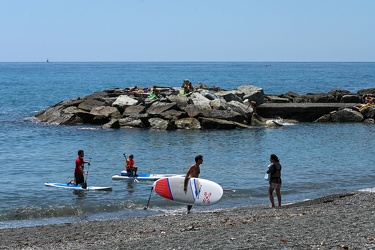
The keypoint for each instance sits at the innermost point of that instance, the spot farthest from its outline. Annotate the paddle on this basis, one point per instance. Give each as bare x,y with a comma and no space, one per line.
146,207
229,190
84,185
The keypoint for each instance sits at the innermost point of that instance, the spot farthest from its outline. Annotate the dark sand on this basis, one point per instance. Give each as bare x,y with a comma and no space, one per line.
344,221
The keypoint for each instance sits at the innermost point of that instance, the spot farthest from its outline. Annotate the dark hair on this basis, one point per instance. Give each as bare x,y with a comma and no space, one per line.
131,156
80,151
274,157
198,157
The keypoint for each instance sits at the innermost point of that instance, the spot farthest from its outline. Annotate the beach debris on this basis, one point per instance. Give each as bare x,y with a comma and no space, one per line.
283,239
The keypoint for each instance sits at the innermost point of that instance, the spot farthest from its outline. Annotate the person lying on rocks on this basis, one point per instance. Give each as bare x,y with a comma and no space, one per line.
369,101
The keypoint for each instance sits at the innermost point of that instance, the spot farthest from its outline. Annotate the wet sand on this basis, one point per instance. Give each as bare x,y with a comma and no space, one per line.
342,221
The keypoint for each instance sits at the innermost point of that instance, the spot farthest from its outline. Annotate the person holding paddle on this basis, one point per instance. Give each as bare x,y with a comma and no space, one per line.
79,169
130,168
193,172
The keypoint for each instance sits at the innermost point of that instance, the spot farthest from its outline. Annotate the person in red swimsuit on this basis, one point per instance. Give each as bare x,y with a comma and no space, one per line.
79,169
130,168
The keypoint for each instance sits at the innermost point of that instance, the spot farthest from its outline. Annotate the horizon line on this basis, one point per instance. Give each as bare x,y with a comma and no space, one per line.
49,61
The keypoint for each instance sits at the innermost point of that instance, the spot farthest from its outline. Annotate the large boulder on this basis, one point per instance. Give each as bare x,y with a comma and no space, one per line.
350,99
370,91
200,102
160,124
134,110
94,100
229,96
131,122
188,123
173,115
114,123
213,123
347,115
181,101
219,104
241,108
368,112
158,107
64,113
192,111
124,101
228,115
252,93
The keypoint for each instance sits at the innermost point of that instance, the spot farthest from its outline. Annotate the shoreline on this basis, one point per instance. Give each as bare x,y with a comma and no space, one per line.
341,221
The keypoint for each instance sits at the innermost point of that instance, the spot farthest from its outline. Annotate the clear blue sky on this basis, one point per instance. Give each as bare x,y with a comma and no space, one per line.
194,30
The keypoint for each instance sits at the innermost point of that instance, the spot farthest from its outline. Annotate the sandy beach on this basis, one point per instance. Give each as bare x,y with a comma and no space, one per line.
342,221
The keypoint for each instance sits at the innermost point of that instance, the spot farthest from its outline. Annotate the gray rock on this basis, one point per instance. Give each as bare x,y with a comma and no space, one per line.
114,123
123,101
229,96
160,124
219,104
347,115
200,102
158,107
188,123
253,93
350,99
368,112
228,115
131,122
134,110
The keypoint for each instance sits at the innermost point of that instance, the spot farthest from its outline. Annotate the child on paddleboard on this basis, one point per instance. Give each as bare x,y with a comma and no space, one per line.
130,168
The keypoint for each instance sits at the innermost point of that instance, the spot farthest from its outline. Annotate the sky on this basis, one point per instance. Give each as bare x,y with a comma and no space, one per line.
194,30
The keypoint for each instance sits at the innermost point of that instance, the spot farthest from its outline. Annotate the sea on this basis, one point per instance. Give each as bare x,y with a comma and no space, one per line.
318,159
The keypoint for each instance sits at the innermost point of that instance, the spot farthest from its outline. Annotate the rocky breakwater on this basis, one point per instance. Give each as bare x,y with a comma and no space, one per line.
206,107
203,108
334,106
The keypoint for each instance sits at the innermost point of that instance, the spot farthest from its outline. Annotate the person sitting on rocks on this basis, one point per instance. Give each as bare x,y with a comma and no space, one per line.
155,93
188,87
369,101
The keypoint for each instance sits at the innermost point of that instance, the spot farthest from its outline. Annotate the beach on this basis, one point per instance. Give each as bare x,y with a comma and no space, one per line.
340,221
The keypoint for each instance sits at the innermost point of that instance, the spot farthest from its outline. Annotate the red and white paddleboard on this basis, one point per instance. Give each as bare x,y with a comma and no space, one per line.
200,192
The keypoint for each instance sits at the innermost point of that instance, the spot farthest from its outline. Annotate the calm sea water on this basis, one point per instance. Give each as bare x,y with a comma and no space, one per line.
317,159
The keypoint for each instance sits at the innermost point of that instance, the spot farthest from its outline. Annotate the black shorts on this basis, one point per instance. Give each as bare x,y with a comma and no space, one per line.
78,178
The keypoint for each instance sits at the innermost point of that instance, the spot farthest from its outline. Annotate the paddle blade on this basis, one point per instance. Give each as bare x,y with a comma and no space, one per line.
84,185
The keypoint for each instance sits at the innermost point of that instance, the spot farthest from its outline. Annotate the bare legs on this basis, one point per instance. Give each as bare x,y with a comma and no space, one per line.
278,194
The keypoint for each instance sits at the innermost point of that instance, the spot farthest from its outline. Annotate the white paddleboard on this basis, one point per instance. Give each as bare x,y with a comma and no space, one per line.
142,177
74,187
200,192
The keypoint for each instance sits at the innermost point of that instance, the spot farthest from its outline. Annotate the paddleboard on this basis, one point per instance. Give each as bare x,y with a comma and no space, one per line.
74,187
200,192
144,177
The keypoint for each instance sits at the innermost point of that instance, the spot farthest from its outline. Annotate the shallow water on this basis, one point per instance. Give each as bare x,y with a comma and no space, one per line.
317,159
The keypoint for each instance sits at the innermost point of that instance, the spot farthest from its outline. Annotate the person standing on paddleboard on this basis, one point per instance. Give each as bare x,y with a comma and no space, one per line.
275,179
130,168
193,172
79,169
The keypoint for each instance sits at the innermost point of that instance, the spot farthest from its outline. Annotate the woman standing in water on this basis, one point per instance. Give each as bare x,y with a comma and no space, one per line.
274,169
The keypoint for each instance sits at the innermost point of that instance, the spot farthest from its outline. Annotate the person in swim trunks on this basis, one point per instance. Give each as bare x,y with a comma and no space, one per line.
79,169
193,172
